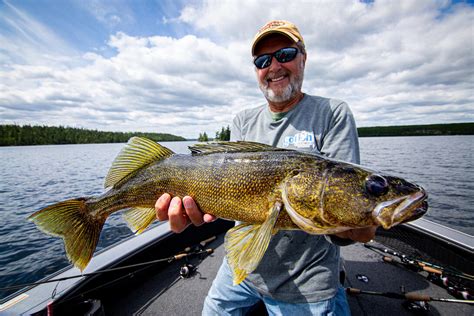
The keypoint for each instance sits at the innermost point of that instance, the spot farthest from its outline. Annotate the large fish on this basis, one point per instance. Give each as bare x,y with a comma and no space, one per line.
266,188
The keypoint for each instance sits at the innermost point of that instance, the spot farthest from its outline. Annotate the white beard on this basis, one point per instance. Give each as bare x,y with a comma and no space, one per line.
289,92
284,96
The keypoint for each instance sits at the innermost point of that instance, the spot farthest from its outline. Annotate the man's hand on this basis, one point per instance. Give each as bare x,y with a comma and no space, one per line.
360,234
180,213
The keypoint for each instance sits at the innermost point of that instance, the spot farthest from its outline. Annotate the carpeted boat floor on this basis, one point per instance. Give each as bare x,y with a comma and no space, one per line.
167,293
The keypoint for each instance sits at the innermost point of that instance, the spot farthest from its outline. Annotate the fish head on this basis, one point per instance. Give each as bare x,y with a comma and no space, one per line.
396,200
341,196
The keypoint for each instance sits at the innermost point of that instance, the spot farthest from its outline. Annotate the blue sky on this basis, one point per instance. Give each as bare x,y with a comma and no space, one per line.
87,25
184,67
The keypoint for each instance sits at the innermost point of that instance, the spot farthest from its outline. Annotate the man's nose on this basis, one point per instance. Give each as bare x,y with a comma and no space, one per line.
275,64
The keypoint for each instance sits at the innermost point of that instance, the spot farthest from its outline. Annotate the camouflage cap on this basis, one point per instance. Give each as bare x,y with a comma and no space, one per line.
280,27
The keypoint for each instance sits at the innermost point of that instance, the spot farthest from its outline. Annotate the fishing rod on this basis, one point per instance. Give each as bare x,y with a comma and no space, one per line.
415,297
411,266
423,265
169,259
437,277
451,279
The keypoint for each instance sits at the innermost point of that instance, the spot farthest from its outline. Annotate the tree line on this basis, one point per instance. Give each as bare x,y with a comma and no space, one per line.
222,135
402,130
15,135
418,130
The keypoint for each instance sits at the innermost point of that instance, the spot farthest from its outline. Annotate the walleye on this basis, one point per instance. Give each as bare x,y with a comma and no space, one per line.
266,188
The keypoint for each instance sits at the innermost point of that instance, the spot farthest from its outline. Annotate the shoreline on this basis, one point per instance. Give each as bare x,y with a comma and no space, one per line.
26,135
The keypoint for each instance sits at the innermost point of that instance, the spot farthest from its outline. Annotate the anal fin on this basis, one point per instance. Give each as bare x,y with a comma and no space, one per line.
246,244
139,218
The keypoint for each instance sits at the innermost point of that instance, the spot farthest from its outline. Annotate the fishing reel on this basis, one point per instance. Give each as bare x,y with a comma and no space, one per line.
417,307
187,270
454,288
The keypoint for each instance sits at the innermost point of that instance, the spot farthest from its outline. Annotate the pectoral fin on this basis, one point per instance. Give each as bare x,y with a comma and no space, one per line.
246,244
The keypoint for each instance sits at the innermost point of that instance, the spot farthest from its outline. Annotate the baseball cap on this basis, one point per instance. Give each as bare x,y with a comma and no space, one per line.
280,27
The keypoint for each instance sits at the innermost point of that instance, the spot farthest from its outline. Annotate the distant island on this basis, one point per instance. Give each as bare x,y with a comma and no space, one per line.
418,130
16,135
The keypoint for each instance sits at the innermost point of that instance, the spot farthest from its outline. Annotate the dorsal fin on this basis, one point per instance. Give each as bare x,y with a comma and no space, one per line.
138,153
226,147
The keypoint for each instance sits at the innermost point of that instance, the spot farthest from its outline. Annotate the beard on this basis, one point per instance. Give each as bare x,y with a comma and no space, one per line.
287,93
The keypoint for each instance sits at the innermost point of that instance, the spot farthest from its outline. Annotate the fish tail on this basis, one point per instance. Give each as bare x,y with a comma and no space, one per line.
73,222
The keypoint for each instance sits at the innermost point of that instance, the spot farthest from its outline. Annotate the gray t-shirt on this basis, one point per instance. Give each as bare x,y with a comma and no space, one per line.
299,267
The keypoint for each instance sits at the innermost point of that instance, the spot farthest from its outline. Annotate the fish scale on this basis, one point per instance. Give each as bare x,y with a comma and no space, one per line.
266,188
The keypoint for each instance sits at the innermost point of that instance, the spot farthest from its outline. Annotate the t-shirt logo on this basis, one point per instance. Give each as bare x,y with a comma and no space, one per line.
302,139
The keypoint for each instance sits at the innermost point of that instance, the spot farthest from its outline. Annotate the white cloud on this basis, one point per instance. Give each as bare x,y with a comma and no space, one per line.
179,86
395,62
393,57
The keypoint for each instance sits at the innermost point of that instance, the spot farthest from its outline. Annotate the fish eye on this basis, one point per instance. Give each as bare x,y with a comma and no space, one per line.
376,185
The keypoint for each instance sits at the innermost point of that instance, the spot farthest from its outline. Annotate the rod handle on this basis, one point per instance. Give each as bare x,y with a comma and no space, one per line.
208,240
353,291
432,270
417,297
180,256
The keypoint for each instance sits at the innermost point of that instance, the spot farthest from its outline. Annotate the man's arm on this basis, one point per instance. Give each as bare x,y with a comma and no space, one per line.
341,139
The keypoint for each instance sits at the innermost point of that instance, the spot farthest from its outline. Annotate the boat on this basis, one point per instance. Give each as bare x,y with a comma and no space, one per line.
415,268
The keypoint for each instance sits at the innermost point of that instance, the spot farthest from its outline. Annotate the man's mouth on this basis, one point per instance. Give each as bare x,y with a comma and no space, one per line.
276,79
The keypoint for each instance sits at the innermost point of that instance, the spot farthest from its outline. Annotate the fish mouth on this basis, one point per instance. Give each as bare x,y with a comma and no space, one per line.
401,210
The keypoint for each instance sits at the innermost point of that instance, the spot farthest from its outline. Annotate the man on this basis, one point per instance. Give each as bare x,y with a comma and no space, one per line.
299,273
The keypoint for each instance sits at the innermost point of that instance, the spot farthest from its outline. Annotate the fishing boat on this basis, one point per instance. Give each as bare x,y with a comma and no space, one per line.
416,268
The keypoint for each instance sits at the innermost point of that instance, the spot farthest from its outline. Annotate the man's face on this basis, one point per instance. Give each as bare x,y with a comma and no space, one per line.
280,82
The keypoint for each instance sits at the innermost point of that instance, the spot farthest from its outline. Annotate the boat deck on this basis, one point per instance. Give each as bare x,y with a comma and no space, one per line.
142,281
166,293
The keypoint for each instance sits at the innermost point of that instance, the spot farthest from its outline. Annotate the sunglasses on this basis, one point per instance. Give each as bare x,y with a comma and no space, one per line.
282,55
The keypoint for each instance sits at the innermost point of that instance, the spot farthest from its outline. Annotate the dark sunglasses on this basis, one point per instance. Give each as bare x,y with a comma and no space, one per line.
283,55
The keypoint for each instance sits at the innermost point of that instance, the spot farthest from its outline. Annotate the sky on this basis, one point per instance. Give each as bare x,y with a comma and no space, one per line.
184,67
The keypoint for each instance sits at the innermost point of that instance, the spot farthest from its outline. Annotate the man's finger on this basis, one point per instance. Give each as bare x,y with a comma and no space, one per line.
178,219
208,218
161,207
192,210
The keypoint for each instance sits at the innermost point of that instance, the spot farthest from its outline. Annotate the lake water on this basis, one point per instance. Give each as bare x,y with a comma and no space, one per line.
35,176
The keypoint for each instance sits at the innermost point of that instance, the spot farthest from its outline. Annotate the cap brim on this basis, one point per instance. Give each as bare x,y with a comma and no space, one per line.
257,39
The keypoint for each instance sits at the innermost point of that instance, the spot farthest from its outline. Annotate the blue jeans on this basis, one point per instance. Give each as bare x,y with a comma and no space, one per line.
226,299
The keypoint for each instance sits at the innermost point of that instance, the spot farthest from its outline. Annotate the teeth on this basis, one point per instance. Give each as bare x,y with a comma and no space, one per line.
277,79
